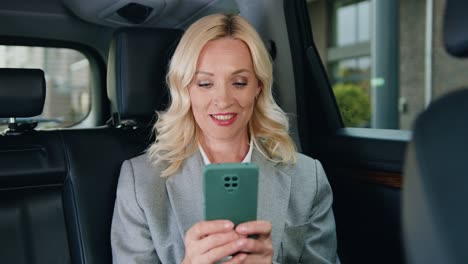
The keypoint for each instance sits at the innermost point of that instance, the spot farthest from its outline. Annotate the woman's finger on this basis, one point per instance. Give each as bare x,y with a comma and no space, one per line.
204,228
229,249
258,246
254,228
215,240
237,259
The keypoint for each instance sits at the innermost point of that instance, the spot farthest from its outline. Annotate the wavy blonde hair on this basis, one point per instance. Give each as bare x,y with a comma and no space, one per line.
176,129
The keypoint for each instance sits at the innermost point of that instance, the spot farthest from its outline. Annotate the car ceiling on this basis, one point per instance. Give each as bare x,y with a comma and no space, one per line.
164,13
92,22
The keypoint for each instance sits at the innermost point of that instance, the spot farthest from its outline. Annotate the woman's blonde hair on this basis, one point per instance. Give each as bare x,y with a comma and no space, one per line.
176,130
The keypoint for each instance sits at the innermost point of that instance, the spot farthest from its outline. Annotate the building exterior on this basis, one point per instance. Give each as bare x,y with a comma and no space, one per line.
346,32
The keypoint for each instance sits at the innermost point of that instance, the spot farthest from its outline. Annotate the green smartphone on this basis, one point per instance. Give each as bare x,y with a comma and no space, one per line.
230,191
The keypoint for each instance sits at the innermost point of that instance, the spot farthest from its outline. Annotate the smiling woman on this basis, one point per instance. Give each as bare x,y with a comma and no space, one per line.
222,110
268,126
223,97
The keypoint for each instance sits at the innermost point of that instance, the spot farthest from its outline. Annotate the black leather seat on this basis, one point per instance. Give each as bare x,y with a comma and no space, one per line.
136,83
435,189
32,172
136,71
57,188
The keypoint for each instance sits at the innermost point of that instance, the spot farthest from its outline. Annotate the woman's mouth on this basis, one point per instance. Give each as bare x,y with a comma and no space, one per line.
224,119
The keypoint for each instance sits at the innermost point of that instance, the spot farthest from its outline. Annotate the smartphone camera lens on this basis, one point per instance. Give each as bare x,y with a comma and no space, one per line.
234,178
227,178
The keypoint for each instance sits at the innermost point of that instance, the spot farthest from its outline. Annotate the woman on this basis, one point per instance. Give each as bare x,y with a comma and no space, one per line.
222,110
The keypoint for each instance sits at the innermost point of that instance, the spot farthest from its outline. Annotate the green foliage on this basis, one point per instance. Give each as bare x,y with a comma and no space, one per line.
354,104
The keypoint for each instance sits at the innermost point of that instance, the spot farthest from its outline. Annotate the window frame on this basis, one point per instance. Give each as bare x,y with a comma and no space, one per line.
99,104
327,125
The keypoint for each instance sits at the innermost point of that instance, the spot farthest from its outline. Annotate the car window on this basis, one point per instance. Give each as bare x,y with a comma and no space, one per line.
385,59
68,82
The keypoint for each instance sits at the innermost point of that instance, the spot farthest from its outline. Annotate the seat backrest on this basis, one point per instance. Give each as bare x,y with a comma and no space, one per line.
435,192
32,173
435,187
136,72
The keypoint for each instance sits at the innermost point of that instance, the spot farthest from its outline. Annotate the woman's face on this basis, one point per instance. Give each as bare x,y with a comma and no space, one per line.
223,89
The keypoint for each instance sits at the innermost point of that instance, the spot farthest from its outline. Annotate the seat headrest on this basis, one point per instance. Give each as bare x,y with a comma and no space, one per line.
435,187
455,25
137,66
22,92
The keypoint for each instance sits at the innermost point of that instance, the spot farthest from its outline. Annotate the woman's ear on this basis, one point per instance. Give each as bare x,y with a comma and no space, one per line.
259,89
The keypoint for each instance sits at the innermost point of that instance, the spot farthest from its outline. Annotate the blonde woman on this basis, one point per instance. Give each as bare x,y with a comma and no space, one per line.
222,110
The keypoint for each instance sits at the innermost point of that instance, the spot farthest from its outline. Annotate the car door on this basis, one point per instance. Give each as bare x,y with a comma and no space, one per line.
364,165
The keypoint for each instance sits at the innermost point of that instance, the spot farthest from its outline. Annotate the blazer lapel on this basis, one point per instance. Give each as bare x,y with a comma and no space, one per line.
273,199
185,191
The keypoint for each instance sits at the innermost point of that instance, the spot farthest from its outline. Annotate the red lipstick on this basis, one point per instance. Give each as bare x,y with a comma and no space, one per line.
224,119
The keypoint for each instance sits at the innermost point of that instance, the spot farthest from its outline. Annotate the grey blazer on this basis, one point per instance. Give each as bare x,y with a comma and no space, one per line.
152,214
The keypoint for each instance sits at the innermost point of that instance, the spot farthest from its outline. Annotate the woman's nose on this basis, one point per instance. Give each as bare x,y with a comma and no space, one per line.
223,97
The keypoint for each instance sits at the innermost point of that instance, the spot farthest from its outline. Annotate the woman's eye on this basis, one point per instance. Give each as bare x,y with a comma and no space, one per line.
240,84
204,84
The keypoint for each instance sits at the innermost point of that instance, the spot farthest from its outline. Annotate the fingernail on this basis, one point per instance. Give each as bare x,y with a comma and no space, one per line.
229,225
241,228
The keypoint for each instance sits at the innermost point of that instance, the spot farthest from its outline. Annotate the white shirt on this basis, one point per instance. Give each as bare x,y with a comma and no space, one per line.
246,159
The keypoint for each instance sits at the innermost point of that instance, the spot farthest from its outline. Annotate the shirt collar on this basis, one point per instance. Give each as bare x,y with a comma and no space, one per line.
247,158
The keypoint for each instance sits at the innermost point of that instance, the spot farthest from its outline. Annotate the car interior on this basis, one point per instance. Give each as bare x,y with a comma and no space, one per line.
57,185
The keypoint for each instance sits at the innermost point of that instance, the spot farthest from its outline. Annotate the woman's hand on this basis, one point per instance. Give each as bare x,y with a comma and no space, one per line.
210,241
260,249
